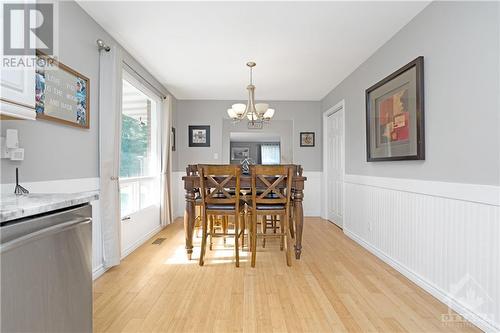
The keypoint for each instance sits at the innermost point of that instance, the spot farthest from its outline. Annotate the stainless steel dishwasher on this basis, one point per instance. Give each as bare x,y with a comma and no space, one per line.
46,272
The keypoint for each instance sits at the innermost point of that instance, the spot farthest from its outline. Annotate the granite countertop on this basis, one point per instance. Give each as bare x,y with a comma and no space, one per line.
18,206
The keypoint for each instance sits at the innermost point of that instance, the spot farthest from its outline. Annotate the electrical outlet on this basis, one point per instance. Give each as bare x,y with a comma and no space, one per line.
17,154
216,156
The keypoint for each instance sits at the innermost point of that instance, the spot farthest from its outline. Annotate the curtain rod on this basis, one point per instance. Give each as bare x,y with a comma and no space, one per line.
142,77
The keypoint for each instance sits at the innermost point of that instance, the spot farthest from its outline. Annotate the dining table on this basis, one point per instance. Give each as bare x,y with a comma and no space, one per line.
192,184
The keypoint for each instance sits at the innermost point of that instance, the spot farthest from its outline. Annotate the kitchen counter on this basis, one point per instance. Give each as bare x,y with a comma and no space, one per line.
18,206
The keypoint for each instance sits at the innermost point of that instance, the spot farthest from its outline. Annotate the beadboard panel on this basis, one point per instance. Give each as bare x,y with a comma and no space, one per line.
448,246
312,193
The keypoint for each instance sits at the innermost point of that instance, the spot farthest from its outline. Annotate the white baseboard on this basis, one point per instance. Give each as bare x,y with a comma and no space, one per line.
98,271
141,241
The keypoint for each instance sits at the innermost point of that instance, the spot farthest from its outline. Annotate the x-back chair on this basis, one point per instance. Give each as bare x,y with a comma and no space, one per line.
273,201
218,200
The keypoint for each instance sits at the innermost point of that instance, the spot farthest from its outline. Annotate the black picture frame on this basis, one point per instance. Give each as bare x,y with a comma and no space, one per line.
418,133
173,138
203,133
303,138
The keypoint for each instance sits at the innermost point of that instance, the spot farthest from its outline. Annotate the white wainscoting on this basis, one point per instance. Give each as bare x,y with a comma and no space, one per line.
139,228
73,186
178,201
312,193
445,237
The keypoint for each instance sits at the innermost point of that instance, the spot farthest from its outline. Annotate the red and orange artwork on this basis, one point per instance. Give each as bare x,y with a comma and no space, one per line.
394,118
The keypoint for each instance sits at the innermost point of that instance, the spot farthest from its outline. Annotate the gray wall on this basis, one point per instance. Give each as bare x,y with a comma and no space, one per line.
460,43
299,116
54,151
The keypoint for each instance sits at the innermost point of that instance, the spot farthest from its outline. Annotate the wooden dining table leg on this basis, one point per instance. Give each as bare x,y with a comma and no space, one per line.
189,217
299,220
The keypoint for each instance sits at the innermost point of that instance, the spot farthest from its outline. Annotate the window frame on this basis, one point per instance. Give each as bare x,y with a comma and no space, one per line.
278,145
133,80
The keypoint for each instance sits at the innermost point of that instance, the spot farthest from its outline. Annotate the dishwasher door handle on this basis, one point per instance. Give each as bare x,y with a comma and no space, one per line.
43,233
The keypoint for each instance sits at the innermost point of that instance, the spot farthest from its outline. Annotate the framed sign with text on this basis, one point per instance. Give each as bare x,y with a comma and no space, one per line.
61,93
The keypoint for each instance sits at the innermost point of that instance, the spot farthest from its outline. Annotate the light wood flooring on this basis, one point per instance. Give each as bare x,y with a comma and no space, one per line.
336,286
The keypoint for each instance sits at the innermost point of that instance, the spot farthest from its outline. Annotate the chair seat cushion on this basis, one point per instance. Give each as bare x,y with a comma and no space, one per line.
220,206
270,206
229,206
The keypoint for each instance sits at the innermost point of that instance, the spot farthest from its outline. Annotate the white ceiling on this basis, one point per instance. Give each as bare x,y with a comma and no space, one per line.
198,50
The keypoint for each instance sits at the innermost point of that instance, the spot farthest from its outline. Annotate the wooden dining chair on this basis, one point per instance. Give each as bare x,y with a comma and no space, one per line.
271,221
218,200
273,201
192,170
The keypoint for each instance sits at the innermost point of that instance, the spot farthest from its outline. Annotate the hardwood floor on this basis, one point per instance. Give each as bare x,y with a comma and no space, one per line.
336,286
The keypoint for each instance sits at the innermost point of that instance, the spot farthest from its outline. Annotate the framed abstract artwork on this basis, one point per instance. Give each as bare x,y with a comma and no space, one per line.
307,139
61,93
199,136
395,115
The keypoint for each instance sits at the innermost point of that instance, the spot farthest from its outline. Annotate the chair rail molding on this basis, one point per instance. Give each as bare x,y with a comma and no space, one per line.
484,194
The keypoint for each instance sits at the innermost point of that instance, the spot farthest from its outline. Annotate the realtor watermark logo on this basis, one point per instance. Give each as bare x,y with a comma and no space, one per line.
27,27
470,294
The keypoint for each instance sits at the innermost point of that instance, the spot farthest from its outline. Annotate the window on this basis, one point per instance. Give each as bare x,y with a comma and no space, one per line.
270,153
139,150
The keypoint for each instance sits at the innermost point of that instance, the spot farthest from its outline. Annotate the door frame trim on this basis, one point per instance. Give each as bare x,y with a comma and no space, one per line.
339,107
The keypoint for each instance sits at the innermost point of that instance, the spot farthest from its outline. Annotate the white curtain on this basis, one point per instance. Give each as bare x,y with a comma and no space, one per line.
166,162
110,99
270,153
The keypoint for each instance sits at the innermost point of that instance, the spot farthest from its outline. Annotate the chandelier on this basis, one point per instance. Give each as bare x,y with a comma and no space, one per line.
259,112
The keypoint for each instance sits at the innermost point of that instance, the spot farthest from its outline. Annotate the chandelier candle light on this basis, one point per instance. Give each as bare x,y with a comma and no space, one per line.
255,113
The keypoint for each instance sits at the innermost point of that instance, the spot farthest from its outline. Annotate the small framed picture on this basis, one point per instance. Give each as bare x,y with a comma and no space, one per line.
199,136
307,139
240,153
173,139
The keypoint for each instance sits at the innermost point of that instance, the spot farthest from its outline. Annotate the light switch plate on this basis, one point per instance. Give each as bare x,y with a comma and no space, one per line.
4,152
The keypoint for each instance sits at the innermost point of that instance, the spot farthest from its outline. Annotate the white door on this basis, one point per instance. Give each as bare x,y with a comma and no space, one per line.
139,164
335,167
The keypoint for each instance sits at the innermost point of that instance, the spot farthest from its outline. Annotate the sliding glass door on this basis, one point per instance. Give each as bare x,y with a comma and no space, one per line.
139,163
